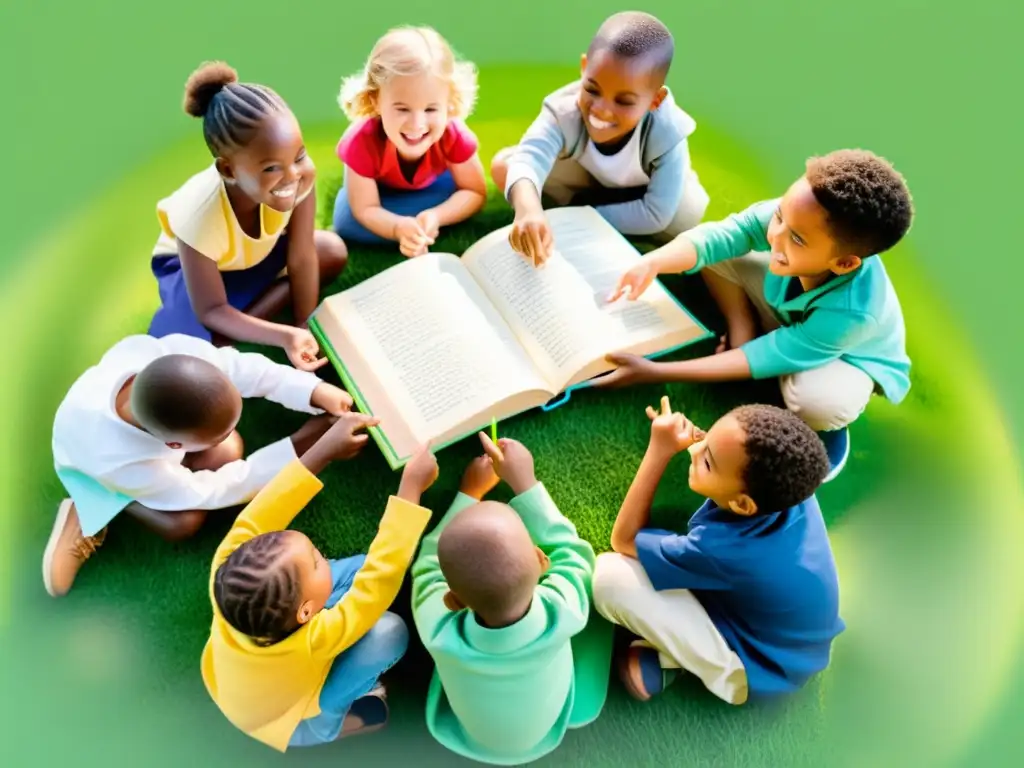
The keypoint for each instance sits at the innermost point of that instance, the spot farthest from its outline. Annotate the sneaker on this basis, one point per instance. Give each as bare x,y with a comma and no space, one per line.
641,672
67,550
837,445
371,709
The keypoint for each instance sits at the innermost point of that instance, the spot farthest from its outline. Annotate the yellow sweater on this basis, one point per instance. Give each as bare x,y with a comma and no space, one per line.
266,692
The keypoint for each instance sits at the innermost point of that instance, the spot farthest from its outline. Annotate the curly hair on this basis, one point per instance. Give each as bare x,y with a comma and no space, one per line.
633,35
257,592
231,111
786,460
867,201
406,51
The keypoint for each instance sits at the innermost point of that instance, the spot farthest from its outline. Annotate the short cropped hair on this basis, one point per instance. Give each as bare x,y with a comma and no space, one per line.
636,35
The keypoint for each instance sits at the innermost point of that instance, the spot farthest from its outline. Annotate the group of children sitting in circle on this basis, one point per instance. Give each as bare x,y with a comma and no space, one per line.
746,599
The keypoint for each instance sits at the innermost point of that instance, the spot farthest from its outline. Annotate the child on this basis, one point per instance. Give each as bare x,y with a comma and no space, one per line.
298,642
411,164
748,599
498,593
150,430
233,229
834,331
614,139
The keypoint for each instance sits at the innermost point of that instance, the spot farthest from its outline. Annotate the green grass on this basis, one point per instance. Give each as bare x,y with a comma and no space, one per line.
153,596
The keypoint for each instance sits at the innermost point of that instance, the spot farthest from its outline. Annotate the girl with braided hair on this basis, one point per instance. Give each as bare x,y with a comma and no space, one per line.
298,642
233,230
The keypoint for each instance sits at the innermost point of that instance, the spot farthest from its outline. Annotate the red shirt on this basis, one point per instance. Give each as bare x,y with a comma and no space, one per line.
367,150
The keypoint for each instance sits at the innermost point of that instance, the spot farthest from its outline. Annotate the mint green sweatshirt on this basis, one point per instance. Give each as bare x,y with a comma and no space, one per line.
505,696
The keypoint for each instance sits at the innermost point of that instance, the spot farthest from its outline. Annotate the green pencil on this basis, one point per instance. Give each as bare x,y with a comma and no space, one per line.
494,437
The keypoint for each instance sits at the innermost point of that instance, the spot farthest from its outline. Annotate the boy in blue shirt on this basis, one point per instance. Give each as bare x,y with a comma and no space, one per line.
804,293
614,139
748,598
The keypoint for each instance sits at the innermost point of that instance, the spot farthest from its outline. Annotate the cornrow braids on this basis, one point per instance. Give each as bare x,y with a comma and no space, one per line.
231,111
256,593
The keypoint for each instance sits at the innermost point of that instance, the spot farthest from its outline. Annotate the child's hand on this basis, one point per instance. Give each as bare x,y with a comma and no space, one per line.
632,369
302,350
344,440
412,239
479,478
331,399
512,462
531,236
418,475
430,224
637,280
671,433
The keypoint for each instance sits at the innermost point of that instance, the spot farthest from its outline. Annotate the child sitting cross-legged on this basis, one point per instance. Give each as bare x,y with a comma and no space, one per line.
150,431
499,592
805,295
747,599
298,641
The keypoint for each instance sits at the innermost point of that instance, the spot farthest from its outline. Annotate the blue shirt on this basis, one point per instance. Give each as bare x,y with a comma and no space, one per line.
768,582
854,317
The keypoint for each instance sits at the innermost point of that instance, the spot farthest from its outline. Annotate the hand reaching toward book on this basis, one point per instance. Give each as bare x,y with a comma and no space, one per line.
346,438
331,399
632,369
531,236
419,474
635,281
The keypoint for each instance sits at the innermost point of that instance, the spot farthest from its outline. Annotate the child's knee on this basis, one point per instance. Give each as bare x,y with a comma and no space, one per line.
823,402
331,253
232,448
390,634
183,525
608,586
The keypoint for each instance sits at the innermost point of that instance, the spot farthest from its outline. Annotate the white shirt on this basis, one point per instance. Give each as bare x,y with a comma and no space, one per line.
623,170
110,462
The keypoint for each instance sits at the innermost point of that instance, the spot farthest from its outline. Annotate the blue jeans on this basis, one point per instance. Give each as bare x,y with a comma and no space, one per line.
401,202
354,672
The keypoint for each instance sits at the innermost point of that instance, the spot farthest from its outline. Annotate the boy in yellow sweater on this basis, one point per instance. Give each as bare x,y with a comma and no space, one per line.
298,642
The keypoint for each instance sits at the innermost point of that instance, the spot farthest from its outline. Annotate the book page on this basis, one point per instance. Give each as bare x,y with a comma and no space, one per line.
427,349
561,312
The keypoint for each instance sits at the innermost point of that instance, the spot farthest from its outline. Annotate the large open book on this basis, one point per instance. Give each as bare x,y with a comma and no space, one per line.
437,346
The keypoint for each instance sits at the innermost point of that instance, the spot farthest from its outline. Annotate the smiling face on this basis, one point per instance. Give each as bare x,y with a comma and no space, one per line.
801,241
273,169
414,112
616,93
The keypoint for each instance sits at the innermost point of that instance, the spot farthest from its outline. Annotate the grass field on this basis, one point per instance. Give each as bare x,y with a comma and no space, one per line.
586,453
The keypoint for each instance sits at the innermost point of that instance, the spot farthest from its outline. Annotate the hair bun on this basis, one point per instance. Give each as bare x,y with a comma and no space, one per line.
205,83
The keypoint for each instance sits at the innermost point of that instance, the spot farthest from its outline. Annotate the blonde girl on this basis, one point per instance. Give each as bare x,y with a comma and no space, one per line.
411,164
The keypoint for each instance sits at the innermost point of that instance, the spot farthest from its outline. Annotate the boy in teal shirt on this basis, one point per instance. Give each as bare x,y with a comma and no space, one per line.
804,293
499,591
